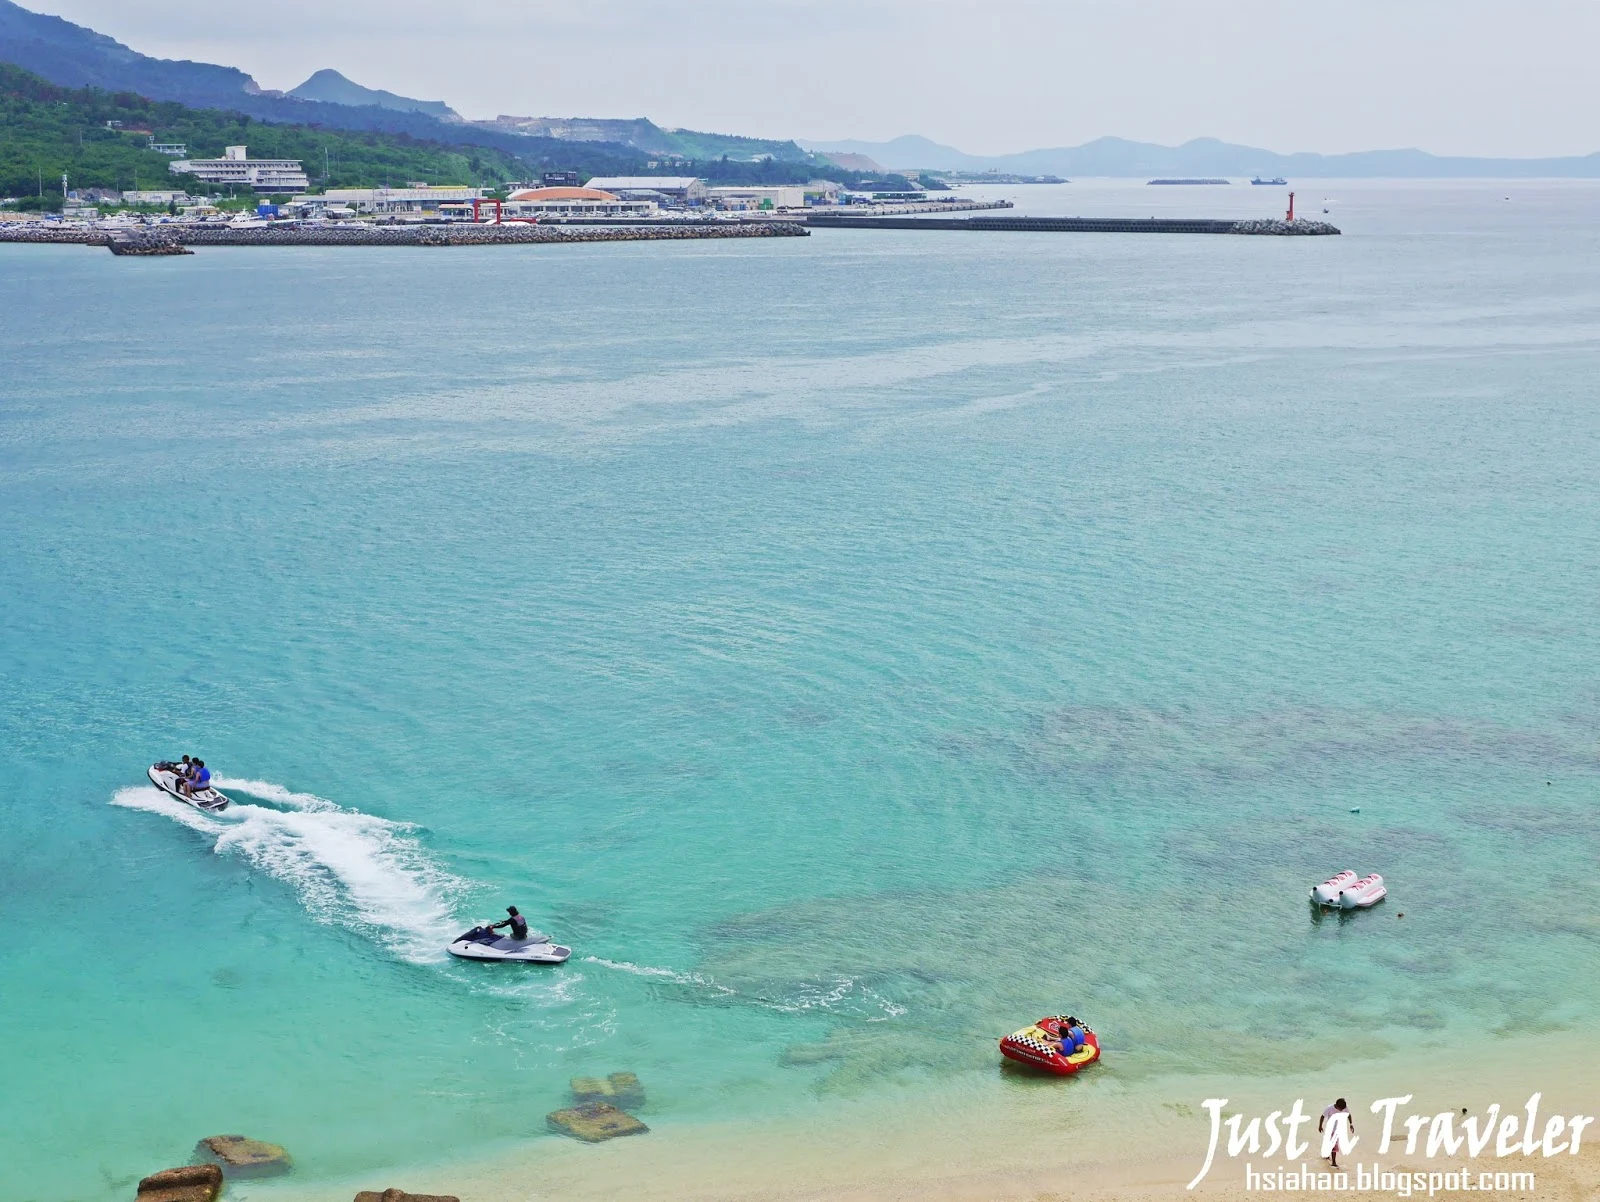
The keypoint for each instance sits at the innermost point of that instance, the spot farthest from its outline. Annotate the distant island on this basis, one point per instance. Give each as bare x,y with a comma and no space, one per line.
1124,159
1191,181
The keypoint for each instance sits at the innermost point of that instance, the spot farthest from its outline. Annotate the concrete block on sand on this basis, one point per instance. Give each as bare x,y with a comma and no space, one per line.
621,1090
400,1195
242,1157
595,1121
191,1183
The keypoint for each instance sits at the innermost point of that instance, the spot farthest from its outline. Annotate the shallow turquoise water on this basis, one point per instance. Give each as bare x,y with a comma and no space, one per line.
834,640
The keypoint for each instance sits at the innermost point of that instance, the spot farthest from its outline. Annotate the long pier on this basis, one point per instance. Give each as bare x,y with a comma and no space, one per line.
1079,225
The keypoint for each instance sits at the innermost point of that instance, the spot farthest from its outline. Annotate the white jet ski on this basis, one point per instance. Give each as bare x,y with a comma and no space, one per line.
164,776
481,943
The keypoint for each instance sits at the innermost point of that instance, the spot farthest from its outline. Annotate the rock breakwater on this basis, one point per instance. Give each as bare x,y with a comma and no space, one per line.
382,235
1288,228
1079,225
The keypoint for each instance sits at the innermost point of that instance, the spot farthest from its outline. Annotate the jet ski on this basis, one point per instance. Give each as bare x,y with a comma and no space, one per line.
482,943
164,776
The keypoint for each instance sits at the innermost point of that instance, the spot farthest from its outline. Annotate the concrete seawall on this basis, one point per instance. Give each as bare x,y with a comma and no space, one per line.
1091,225
387,235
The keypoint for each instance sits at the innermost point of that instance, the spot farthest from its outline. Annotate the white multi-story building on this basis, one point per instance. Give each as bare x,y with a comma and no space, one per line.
235,167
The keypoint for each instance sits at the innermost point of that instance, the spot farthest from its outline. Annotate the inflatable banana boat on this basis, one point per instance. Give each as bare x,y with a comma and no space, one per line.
1041,1045
1345,892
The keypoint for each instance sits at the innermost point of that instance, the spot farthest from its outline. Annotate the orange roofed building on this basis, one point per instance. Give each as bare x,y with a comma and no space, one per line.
574,202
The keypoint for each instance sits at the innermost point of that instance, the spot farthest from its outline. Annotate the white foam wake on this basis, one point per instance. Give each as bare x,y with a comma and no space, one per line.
645,970
845,995
350,869
268,791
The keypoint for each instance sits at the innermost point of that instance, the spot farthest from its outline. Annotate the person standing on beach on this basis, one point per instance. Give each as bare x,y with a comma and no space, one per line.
1338,1116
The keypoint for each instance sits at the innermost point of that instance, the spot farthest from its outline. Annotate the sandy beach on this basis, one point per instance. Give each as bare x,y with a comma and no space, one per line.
1087,1138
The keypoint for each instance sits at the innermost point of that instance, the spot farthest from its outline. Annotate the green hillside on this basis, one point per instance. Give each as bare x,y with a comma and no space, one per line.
46,130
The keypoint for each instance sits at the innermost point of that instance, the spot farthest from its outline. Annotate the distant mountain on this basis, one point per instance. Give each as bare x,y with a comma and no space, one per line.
910,150
1201,157
854,162
643,134
71,56
331,87
75,57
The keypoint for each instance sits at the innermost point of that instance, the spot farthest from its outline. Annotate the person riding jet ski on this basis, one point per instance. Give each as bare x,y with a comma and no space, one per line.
197,780
517,923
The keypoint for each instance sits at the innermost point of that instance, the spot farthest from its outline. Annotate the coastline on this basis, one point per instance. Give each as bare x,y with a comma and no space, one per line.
1085,1138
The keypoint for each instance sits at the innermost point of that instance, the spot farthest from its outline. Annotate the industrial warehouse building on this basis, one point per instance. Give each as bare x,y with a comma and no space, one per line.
235,168
781,197
681,189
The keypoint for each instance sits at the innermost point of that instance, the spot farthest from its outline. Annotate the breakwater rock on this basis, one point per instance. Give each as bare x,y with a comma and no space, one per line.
52,232
1289,228
145,244
387,235
240,1156
621,1090
191,1183
476,235
594,1122
1077,225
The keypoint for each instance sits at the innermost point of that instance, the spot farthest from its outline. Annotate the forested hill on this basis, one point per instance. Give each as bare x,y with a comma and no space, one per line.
46,130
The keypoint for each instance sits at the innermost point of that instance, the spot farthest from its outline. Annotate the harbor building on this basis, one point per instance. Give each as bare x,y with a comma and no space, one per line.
823,192
179,197
237,168
677,189
574,202
419,198
758,198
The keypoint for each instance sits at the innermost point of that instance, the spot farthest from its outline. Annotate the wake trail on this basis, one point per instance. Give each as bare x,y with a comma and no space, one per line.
354,870
268,791
842,995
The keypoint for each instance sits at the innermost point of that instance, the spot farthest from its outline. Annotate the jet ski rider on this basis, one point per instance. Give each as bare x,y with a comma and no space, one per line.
197,780
517,923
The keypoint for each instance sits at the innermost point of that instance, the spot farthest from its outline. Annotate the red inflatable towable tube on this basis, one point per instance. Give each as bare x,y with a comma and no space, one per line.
1037,1045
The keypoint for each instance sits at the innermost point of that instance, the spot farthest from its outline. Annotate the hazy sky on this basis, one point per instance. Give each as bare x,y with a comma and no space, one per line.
1496,77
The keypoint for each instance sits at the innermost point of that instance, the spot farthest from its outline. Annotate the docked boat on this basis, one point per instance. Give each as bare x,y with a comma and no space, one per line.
164,776
1042,1045
484,943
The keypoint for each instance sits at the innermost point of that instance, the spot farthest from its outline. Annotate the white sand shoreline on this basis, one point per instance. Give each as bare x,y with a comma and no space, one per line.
1069,1139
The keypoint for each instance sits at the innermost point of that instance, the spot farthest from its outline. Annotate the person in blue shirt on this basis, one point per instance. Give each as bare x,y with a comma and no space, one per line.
1072,1036
198,780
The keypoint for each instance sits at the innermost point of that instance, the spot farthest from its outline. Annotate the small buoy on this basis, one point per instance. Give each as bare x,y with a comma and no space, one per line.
1402,914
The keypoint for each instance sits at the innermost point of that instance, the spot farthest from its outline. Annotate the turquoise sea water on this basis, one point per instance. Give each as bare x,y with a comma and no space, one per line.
854,647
